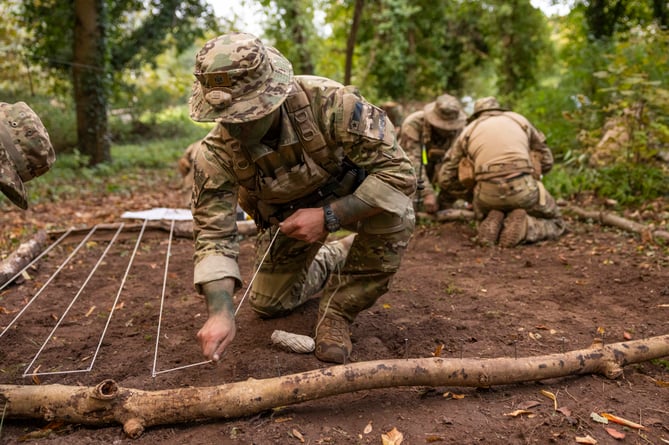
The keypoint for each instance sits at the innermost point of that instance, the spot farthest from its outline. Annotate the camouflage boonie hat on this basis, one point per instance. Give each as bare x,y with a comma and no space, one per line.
445,113
25,150
238,79
486,104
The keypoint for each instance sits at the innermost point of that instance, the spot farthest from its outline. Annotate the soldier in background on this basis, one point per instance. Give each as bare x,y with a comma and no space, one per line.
507,157
25,150
306,156
426,136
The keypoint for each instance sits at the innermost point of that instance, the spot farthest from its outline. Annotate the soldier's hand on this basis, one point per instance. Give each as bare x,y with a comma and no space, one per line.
217,333
305,224
430,203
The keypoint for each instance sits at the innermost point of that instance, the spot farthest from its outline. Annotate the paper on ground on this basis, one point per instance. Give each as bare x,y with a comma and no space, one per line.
160,213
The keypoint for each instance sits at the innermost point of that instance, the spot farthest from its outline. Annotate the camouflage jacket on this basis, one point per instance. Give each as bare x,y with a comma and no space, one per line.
351,128
499,143
415,132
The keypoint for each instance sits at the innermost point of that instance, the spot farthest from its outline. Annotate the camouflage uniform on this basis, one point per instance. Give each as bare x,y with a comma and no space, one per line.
326,131
435,127
507,153
25,150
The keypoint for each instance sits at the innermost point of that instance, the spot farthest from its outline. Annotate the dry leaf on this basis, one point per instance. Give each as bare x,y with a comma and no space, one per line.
433,438
386,306
662,383
453,395
564,410
437,351
297,435
368,428
586,439
627,335
601,330
392,437
615,433
599,419
282,419
551,396
518,412
529,404
622,421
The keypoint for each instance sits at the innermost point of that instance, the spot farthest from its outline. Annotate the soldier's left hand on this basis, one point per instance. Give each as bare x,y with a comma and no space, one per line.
305,224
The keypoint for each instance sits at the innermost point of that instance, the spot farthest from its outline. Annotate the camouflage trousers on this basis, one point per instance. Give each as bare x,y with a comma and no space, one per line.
544,220
352,279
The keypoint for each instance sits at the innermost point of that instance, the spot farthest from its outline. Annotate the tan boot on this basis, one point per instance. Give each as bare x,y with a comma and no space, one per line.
490,227
515,228
333,340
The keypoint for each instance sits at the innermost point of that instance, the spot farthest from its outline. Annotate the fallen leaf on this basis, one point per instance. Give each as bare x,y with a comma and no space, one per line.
551,396
518,412
368,428
297,435
621,421
453,395
599,419
627,335
386,306
282,419
392,437
601,330
662,383
615,433
432,438
586,439
564,410
437,351
529,404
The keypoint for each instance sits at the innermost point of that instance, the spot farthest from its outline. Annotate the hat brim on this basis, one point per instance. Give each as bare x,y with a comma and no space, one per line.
437,122
249,107
11,184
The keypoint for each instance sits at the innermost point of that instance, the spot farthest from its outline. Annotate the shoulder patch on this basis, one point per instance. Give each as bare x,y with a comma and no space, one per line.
367,120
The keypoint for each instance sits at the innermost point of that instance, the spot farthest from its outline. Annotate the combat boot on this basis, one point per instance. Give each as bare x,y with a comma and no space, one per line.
490,228
515,228
333,340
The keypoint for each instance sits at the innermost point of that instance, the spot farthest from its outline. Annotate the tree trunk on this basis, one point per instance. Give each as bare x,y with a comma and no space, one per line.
89,79
137,409
350,43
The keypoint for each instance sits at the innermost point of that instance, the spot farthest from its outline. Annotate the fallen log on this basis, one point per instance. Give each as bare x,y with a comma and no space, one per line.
135,409
611,219
22,256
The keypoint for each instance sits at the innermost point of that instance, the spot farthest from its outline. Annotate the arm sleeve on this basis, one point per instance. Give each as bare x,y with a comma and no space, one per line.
214,208
538,145
448,173
367,138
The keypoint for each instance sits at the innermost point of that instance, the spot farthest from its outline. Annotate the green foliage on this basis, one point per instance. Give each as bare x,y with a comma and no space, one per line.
134,165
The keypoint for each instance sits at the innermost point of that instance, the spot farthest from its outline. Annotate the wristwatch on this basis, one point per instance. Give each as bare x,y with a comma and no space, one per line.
332,223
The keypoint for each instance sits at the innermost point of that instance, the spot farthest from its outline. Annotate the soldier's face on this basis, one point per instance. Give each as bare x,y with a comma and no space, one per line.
252,132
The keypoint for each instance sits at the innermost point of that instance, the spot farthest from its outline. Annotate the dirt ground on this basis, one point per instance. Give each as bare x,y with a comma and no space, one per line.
476,302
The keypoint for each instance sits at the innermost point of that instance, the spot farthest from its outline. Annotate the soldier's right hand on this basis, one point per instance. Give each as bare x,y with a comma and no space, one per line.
219,329
216,334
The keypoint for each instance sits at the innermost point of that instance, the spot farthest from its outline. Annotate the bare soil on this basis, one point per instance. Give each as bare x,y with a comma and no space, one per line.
551,297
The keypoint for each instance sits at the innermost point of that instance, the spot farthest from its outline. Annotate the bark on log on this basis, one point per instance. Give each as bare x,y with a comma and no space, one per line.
107,403
22,256
614,220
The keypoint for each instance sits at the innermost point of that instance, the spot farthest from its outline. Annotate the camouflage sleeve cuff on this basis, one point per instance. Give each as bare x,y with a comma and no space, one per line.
377,193
217,267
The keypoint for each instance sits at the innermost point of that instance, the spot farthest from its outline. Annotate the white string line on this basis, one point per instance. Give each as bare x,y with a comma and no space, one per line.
67,260
54,244
74,299
118,294
236,310
162,298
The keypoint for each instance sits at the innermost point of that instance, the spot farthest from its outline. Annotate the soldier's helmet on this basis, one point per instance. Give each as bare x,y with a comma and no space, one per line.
25,150
238,79
446,113
483,104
